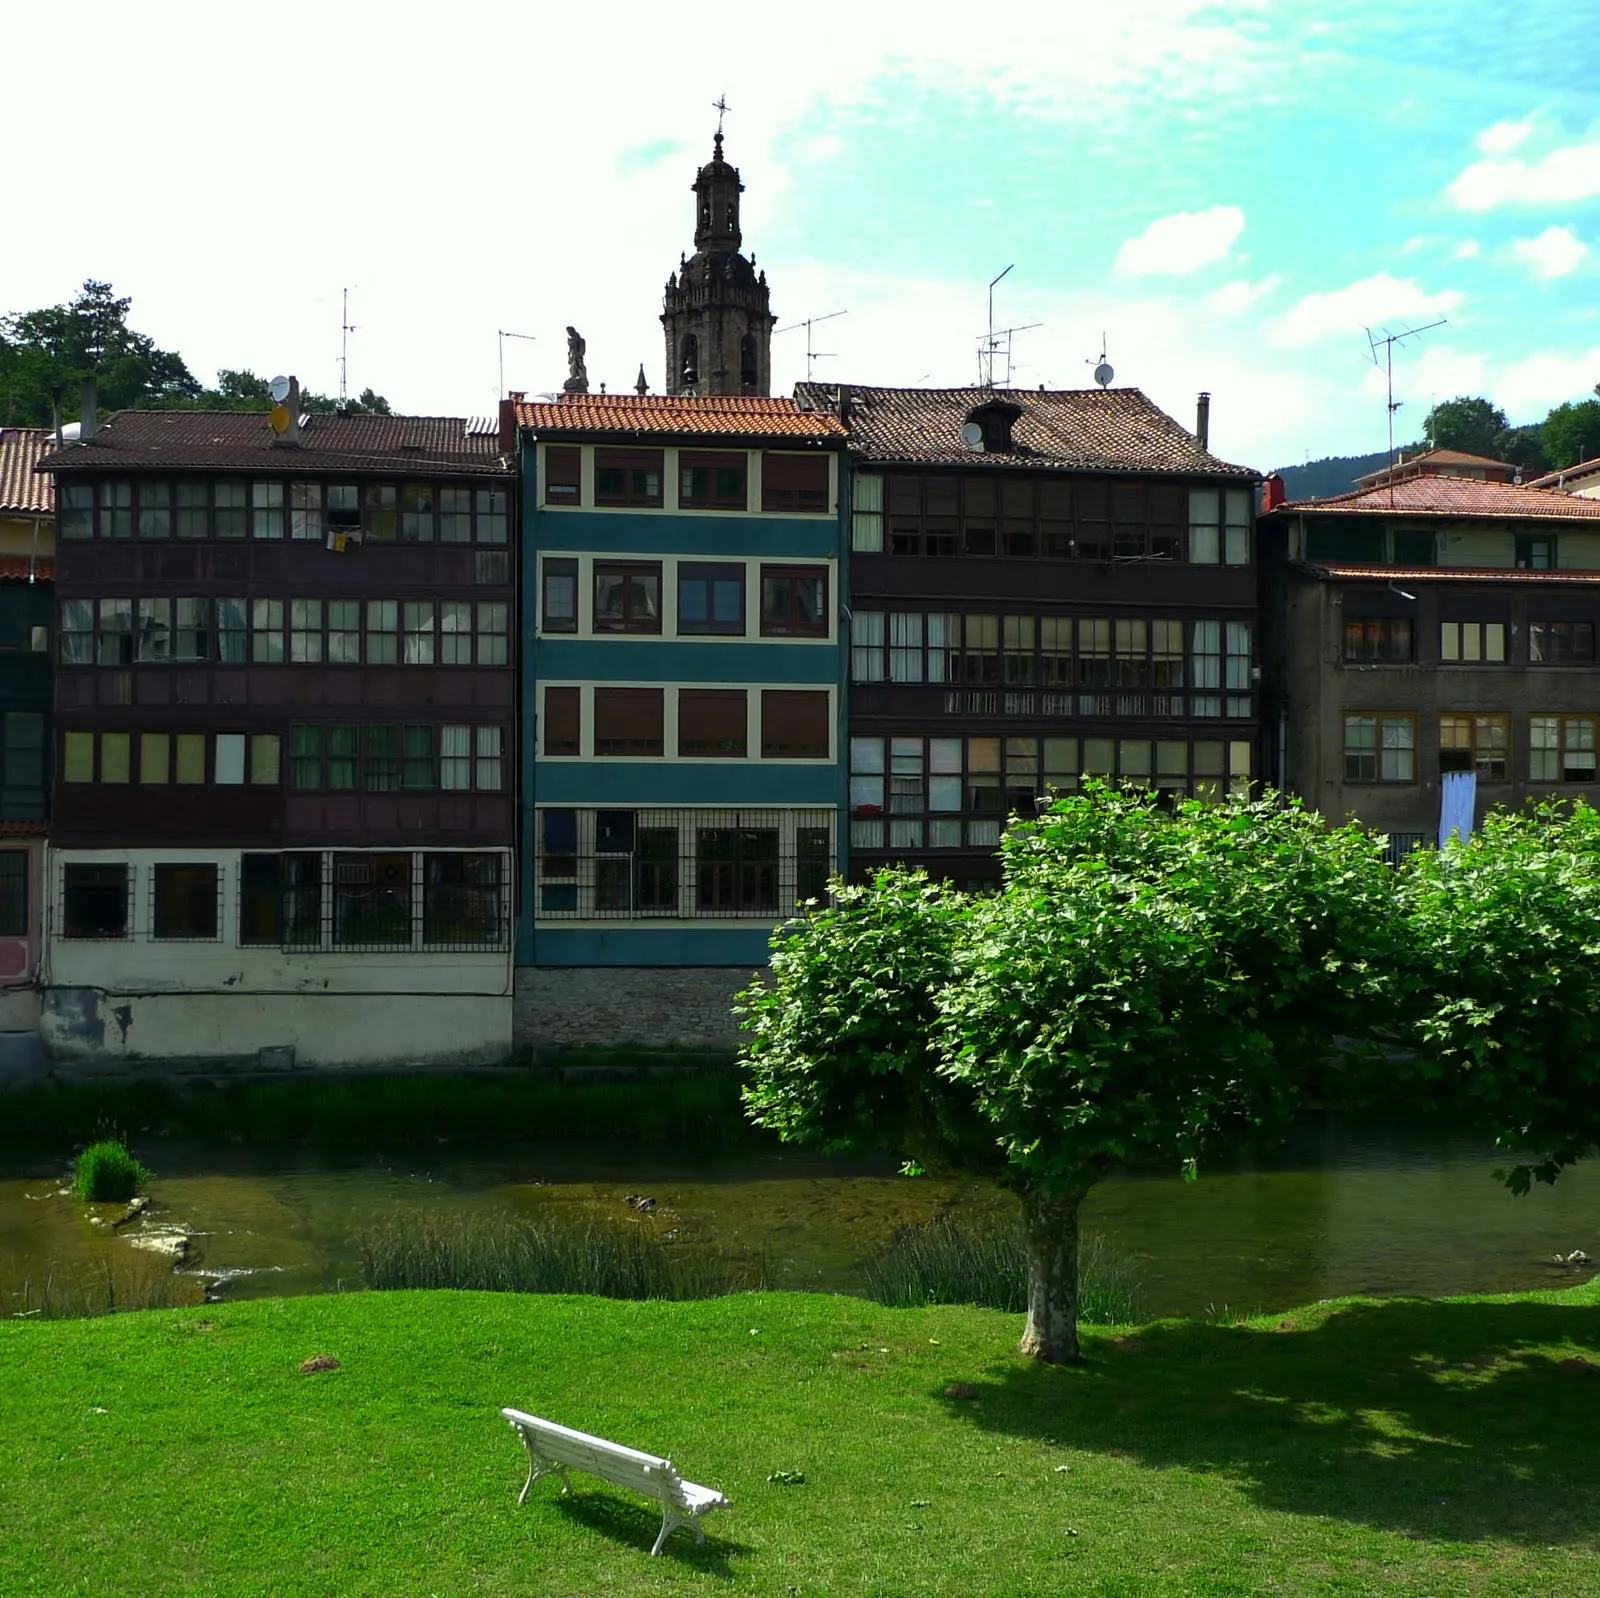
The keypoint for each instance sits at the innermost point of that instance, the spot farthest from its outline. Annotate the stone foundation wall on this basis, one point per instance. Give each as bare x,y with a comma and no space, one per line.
560,1007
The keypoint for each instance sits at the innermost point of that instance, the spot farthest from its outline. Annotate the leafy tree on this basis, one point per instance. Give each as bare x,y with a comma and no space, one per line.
243,390
1571,433
1508,1018
48,352
1466,423
1524,447
1149,983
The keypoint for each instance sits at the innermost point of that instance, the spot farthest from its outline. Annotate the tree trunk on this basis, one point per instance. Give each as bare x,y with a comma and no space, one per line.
1050,1232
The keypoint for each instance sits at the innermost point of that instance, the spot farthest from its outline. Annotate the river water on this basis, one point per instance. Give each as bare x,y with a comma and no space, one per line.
1342,1211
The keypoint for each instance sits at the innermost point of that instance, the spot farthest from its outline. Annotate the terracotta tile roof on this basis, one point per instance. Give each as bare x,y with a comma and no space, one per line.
1447,574
1568,474
1104,430
242,441
24,829
14,568
747,416
1413,464
1451,496
22,490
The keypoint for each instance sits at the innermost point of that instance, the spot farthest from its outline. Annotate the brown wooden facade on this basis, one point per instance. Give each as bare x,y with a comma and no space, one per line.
300,683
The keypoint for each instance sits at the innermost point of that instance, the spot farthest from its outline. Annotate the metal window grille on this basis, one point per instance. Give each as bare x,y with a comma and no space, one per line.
376,901
682,864
1399,844
96,900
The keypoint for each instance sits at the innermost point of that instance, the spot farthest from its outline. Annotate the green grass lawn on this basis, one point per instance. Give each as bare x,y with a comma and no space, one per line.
1405,1447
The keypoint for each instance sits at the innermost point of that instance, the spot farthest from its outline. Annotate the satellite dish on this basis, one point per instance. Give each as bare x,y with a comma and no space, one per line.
278,419
1103,374
279,389
972,435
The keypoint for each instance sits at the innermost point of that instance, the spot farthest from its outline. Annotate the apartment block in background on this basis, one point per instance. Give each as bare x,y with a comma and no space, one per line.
1430,626
683,789
284,780
1043,585
27,537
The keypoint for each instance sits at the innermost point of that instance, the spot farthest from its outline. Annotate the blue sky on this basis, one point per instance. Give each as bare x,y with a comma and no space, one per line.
1228,193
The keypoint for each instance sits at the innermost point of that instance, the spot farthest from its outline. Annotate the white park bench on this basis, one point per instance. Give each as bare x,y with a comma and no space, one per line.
553,1450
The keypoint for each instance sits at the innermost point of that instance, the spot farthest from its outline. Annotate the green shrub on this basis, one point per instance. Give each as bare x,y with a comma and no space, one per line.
956,1260
510,1255
106,1173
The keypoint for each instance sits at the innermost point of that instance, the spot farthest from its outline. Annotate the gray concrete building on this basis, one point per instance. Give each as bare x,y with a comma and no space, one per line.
1429,626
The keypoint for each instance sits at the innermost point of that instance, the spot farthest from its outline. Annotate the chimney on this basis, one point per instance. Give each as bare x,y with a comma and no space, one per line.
1202,421
55,416
289,438
508,422
88,397
846,399
1273,493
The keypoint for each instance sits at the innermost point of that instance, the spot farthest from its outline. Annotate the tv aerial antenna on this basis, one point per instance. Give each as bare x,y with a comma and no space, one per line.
996,343
1103,373
504,335
346,328
1387,343
812,355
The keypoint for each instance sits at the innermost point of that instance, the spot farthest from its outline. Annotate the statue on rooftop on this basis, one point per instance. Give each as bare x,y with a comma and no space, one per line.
577,373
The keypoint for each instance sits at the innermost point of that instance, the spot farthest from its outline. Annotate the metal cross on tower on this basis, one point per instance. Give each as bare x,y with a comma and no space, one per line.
722,108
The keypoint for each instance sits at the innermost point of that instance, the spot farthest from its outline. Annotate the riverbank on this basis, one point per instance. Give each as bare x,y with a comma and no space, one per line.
661,1097
1405,1446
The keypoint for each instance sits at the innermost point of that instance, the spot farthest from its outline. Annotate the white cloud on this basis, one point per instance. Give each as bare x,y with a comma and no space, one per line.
1561,177
1467,250
1557,252
1504,137
1241,294
1529,387
1176,245
1341,312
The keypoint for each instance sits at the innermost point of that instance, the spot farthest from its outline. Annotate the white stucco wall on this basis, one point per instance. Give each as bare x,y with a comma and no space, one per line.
87,1025
142,997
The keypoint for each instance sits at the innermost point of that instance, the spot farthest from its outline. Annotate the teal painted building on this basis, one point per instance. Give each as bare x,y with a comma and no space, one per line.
683,672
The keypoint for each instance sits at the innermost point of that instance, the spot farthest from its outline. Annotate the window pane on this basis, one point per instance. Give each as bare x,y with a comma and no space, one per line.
229,758
191,762
155,751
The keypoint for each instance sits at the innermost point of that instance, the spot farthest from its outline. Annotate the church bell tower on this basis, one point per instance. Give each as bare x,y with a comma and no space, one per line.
715,311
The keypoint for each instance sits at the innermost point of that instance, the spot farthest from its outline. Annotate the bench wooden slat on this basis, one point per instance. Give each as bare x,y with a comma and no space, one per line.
552,1447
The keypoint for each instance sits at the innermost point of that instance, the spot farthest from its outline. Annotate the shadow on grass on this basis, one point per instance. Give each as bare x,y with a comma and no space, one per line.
624,1520
1434,1420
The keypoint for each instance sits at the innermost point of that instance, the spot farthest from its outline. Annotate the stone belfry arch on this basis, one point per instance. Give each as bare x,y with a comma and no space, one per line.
715,312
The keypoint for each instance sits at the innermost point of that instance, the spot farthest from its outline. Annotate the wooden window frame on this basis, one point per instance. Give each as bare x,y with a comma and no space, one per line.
709,574
563,476
1379,718
778,700
609,701
552,566
1558,751
1557,643
706,718
626,571
631,463
790,624
715,496
1374,640
791,498
1480,754
561,727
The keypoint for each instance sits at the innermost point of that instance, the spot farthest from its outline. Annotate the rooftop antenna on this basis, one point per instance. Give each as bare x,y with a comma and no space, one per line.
811,354
1387,343
997,343
346,328
1103,373
504,335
